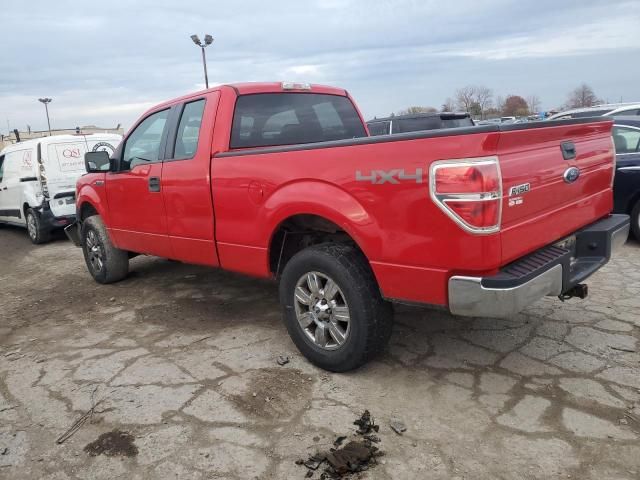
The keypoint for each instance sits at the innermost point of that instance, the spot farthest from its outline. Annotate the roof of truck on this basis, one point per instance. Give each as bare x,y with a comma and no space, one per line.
248,88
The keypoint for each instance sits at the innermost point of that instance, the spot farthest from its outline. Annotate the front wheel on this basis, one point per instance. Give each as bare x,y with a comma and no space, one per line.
37,233
106,263
333,309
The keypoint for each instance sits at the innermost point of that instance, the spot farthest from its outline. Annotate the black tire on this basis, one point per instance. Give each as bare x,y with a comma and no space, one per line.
106,263
370,317
635,220
36,231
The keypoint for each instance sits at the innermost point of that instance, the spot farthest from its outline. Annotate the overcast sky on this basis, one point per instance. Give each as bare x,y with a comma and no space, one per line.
105,65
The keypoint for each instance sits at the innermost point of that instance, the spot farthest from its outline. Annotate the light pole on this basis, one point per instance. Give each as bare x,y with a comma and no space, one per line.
208,40
46,102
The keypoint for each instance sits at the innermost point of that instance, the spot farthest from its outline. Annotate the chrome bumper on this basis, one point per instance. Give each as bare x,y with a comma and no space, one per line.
555,271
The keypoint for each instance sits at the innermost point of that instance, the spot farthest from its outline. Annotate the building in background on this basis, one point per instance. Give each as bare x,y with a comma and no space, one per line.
29,134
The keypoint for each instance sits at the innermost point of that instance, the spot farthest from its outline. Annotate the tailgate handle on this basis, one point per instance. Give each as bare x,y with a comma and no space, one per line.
154,184
568,150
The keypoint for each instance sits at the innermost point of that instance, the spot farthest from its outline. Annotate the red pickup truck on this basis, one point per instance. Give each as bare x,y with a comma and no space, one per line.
283,181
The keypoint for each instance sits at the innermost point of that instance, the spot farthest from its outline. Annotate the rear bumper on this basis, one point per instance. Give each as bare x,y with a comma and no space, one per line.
50,221
550,271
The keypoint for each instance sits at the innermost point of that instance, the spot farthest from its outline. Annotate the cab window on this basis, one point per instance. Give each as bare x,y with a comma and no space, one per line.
270,119
143,145
189,130
626,140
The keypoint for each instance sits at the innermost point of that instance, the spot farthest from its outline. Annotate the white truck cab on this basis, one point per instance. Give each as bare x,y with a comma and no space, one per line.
38,180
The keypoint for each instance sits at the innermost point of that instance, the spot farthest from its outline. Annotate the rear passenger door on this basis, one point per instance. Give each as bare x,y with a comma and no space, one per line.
186,187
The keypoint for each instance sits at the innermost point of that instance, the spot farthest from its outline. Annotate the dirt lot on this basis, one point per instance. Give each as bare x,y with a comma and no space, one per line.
181,360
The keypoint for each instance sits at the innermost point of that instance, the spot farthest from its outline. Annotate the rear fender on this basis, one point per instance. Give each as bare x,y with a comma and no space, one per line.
311,197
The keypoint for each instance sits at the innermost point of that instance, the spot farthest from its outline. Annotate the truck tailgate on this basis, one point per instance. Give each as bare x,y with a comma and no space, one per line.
543,201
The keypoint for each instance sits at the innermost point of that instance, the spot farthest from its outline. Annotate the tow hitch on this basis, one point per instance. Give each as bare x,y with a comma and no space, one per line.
581,291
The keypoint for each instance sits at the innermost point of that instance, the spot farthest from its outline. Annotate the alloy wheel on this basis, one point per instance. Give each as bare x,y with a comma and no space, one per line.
94,251
322,311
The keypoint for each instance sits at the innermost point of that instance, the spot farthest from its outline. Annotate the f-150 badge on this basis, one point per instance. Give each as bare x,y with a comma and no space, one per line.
519,189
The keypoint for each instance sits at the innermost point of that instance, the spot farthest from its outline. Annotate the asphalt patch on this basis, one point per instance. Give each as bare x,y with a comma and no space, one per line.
113,444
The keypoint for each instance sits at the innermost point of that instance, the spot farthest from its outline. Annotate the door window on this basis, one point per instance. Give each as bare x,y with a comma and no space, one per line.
1,167
626,140
189,130
143,145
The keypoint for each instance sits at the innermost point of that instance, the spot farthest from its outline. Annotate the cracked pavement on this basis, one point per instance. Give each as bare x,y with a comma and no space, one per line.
184,358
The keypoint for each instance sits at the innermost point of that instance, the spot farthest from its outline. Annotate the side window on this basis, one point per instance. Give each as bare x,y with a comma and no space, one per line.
379,128
1,167
189,130
143,145
627,113
626,140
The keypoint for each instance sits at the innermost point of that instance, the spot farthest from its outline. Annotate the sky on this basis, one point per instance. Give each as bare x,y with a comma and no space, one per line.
105,63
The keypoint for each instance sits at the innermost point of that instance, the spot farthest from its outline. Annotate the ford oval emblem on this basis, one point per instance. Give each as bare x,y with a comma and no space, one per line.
571,174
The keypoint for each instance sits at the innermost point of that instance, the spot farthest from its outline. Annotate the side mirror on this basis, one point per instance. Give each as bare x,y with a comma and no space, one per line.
97,161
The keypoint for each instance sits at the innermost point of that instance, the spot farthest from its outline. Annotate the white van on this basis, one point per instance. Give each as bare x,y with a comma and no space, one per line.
38,180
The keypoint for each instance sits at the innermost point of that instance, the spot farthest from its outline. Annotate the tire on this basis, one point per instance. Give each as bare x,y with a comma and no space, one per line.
370,318
635,220
37,233
106,263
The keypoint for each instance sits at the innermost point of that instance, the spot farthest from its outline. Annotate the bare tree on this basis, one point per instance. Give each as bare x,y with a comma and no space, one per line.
583,96
448,105
465,97
416,109
484,98
534,103
499,104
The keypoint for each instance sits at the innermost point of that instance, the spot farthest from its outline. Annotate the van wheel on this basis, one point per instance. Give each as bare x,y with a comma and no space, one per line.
635,220
106,263
332,307
37,234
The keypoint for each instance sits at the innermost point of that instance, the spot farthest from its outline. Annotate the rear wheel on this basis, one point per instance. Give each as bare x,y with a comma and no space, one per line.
106,263
333,309
37,233
635,220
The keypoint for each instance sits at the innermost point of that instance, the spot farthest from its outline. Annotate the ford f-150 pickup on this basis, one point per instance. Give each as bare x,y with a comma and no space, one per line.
283,181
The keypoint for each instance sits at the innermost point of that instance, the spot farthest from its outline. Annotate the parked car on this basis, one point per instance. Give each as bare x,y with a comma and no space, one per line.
281,181
607,110
38,177
626,187
417,122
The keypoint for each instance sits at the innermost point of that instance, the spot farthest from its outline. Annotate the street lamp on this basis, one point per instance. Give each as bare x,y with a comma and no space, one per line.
208,40
46,102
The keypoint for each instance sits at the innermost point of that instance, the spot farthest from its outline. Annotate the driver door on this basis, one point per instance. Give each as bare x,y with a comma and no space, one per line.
137,217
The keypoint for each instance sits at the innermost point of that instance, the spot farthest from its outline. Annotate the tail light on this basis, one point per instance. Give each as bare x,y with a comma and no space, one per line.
469,191
615,161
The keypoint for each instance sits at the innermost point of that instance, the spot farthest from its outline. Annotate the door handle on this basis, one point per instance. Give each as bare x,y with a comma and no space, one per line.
154,184
4,188
568,150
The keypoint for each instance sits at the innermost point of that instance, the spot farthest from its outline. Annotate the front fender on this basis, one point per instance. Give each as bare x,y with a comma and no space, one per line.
314,197
91,191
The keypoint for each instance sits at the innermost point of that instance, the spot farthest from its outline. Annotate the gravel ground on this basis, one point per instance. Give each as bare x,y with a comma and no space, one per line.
180,364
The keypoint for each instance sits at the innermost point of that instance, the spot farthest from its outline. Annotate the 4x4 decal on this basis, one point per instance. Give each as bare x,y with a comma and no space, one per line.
378,177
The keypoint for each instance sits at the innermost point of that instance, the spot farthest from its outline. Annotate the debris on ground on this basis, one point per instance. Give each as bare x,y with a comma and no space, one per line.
398,426
4,451
283,360
356,456
88,415
366,423
113,444
339,441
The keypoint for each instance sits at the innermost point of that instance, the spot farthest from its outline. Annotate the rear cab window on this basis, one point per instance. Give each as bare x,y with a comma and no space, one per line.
277,119
188,133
